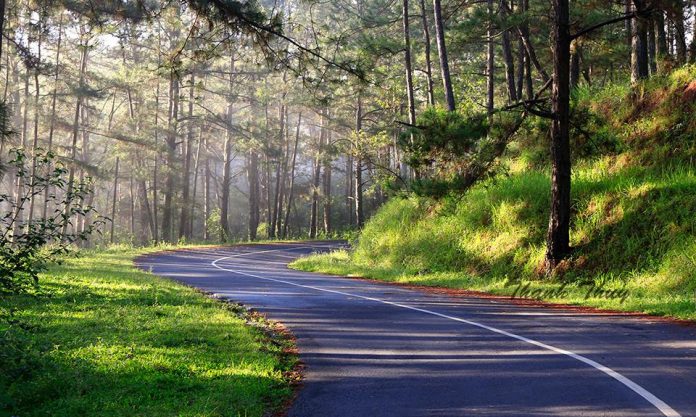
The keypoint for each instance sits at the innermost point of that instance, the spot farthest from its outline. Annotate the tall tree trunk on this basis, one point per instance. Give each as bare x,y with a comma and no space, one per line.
558,237
35,142
113,201
196,172
523,31
652,48
155,173
184,223
442,52
692,46
253,177
280,171
490,63
661,50
407,64
508,58
145,210
639,50
428,59
267,177
314,214
409,79
226,184
639,46
528,81
359,215
291,188
225,231
326,184
284,180
86,219
171,141
628,23
206,195
349,189
677,17
520,68
54,97
2,23
132,206
75,132
20,180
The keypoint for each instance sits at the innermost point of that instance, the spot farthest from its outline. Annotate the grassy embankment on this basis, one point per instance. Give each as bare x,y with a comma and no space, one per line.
106,339
634,224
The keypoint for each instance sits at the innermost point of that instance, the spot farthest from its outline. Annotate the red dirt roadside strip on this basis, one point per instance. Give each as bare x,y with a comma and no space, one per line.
529,302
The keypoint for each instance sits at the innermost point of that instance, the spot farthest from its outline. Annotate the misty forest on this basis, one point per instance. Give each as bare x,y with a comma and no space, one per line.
464,144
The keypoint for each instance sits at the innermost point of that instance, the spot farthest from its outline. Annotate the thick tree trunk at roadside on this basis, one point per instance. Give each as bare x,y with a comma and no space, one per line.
558,240
442,52
426,50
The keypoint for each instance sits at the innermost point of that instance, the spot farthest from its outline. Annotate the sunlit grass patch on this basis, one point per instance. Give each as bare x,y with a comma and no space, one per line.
106,339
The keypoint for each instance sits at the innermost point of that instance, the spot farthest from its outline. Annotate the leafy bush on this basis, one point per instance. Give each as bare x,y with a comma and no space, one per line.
26,247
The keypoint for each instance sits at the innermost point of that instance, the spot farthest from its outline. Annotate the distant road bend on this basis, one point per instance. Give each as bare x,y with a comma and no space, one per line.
375,350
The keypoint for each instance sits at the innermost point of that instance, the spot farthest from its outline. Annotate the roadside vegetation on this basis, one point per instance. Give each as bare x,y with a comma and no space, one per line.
99,337
634,229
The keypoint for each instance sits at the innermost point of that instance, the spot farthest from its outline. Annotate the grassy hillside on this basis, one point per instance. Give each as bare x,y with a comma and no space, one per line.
634,225
106,339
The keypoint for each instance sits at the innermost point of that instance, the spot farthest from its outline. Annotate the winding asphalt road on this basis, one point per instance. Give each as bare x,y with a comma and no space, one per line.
375,350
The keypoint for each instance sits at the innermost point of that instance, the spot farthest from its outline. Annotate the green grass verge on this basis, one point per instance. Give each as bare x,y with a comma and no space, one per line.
106,339
633,229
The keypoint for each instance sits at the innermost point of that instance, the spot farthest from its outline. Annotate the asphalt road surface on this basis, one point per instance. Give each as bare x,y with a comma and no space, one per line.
375,350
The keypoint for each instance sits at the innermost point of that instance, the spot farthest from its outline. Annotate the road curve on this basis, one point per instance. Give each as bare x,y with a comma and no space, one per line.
375,350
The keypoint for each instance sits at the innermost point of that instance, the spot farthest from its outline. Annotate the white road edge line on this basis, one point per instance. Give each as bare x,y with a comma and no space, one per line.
665,409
